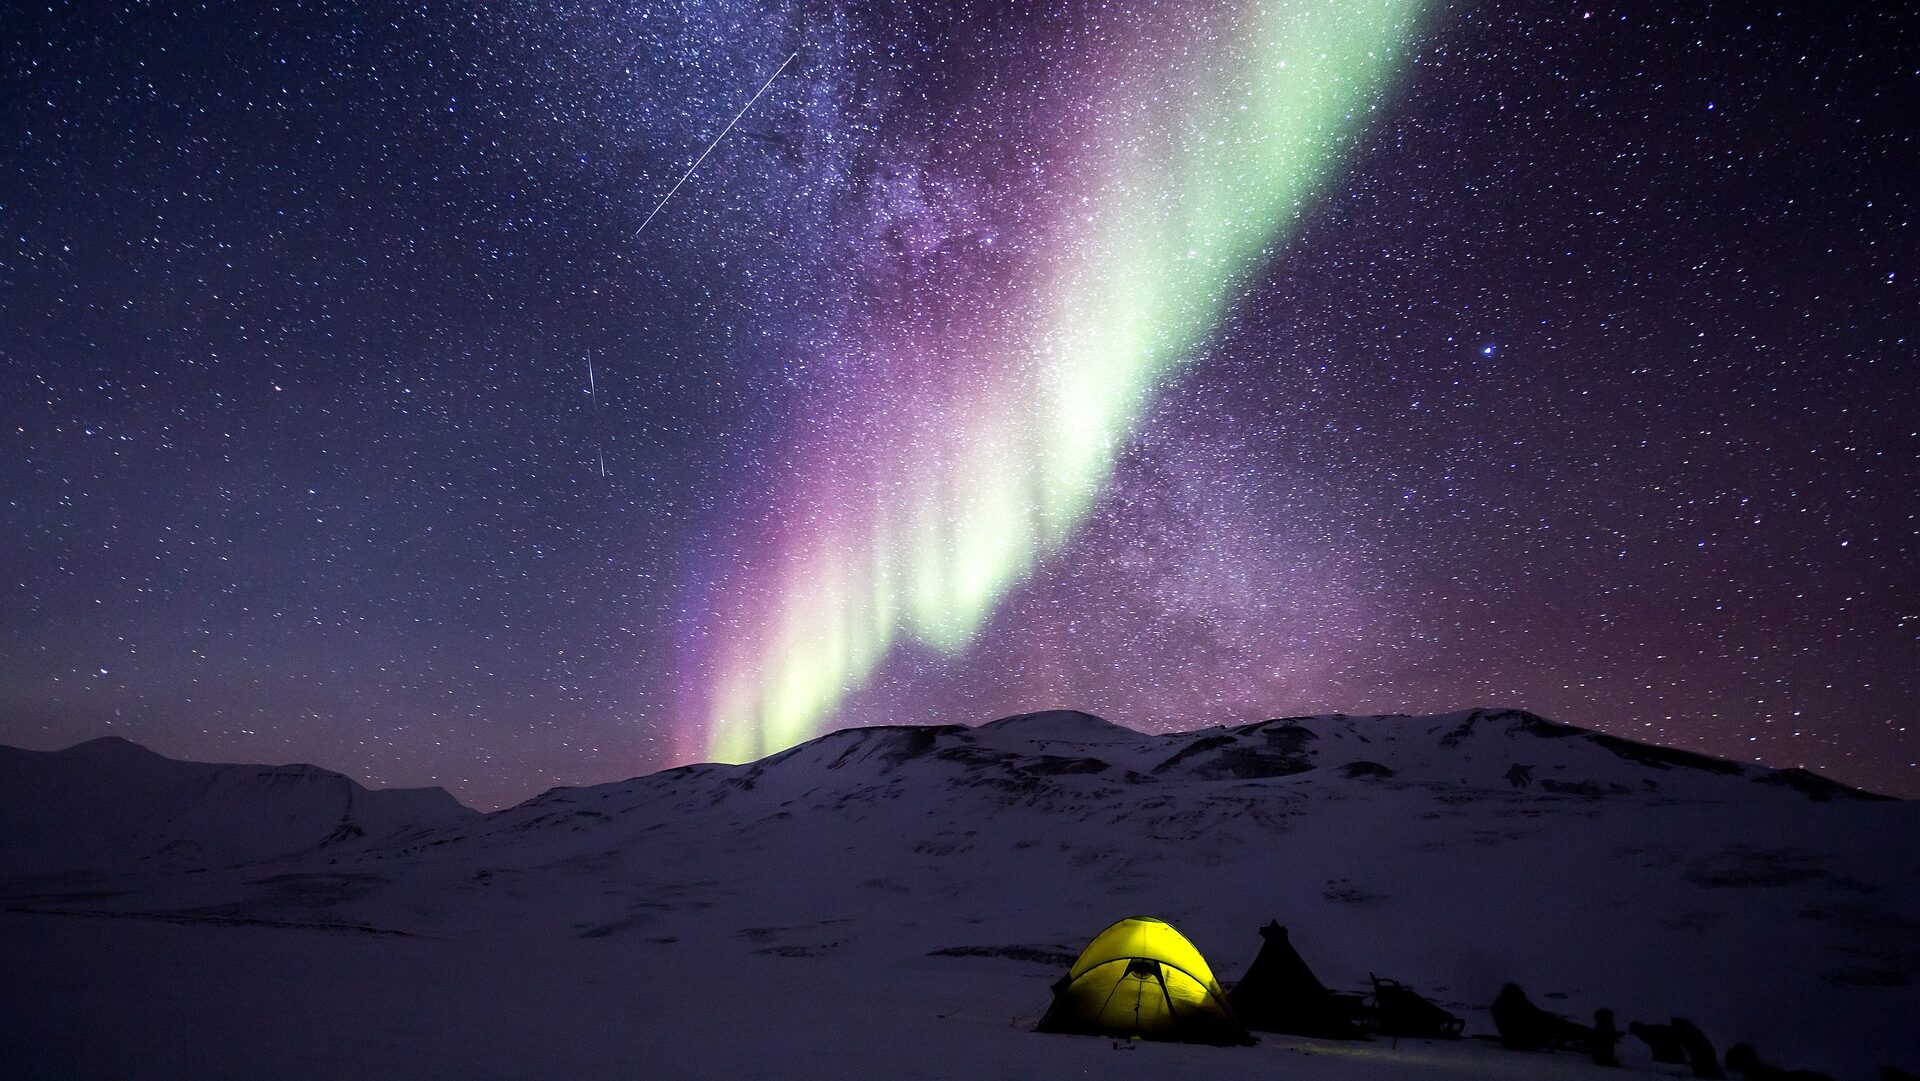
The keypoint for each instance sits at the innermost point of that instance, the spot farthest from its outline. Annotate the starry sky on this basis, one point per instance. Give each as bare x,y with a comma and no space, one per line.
1189,363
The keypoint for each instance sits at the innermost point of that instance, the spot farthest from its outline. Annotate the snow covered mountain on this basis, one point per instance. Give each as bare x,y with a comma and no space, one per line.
112,805
935,880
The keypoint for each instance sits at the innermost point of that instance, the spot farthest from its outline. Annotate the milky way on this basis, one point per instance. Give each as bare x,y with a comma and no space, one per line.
1189,363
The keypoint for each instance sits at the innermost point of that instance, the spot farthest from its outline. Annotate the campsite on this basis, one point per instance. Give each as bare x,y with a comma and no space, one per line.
902,902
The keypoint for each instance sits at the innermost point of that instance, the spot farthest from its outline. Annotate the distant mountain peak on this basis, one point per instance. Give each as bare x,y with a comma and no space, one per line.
110,803
1066,725
109,747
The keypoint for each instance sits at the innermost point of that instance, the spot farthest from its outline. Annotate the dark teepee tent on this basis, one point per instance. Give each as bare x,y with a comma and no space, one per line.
1141,977
1281,994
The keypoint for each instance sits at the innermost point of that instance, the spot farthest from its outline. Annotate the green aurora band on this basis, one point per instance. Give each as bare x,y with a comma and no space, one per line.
1201,145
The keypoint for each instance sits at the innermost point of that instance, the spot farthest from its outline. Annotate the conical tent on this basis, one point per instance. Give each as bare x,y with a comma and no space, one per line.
1281,994
1141,977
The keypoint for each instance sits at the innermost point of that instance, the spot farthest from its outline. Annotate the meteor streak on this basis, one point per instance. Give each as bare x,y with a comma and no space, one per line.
593,391
716,142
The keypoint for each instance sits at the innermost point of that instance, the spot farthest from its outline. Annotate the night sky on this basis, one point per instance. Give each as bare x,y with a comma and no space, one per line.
1188,363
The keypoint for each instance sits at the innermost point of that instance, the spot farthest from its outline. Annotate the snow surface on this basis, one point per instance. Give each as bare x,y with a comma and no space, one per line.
894,903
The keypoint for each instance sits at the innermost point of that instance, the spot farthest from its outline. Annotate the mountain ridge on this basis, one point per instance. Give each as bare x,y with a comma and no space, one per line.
1074,726
109,803
1078,726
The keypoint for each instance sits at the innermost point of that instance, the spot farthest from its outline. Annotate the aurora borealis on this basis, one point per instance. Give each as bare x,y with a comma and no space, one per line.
981,432
1188,363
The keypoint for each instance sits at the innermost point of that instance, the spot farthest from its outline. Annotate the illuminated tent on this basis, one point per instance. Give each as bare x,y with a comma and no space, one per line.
1142,978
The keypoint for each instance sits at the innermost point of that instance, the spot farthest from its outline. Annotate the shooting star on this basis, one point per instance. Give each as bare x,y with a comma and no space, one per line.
716,142
593,391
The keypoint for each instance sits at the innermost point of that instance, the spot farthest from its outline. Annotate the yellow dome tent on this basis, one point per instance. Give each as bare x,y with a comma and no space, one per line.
1141,977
